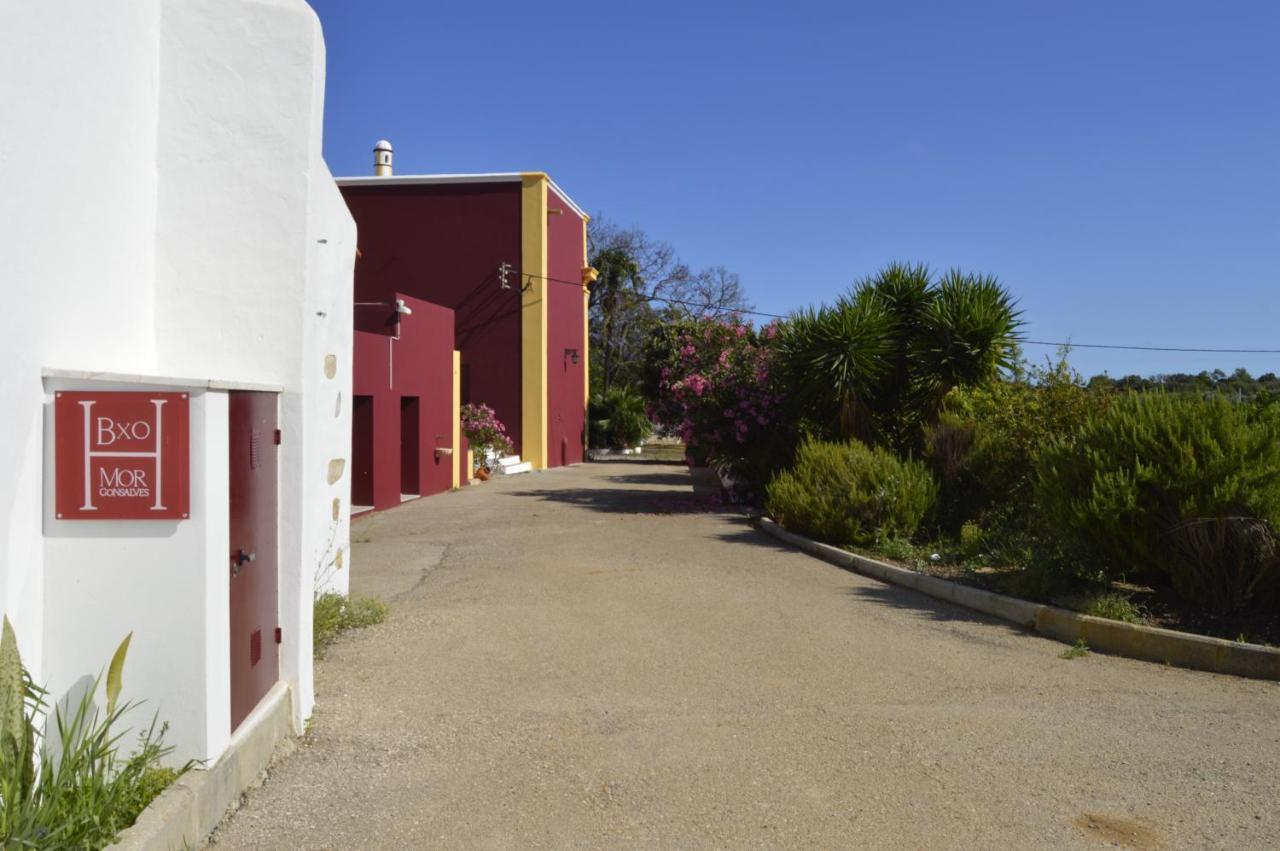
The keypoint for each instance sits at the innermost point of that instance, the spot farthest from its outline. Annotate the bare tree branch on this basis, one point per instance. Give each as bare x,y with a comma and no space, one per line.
641,280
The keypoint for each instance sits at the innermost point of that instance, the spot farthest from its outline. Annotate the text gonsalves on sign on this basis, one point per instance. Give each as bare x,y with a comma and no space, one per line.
121,455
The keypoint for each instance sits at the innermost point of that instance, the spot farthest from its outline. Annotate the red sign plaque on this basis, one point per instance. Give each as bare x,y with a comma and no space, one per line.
121,456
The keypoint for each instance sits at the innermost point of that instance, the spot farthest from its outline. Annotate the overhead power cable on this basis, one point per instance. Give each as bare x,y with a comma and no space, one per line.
1153,348
1067,344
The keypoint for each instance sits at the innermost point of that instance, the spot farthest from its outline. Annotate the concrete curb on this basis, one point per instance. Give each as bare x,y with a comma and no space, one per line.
1107,636
186,813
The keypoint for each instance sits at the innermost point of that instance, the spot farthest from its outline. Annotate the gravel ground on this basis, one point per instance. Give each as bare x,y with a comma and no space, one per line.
591,658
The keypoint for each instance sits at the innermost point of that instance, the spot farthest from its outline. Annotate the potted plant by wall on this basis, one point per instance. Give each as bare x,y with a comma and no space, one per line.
487,436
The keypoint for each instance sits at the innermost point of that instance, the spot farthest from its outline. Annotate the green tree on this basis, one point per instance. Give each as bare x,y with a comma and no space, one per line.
984,445
878,363
619,310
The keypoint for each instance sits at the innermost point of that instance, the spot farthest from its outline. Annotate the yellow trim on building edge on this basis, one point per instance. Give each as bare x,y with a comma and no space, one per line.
533,319
457,419
586,335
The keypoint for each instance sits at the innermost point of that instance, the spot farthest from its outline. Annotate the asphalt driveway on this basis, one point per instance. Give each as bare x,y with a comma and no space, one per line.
594,658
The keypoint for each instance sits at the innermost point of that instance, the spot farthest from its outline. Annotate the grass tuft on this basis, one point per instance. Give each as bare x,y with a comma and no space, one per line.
335,614
1075,651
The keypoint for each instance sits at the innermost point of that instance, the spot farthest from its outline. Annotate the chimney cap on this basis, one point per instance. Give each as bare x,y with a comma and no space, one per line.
382,145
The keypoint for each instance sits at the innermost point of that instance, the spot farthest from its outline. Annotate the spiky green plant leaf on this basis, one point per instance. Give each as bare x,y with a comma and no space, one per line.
13,719
115,674
969,333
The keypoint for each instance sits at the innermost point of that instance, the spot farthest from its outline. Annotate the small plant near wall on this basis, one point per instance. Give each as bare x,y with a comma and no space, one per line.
619,420
335,614
486,434
82,790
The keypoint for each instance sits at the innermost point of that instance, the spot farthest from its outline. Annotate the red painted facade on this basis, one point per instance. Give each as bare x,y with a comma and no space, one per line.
403,406
444,243
566,415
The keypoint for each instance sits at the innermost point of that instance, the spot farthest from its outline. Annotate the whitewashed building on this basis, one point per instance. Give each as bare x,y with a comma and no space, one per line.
168,225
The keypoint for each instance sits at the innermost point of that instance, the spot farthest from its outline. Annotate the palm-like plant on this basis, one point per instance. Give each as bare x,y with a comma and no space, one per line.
619,419
834,357
877,364
969,333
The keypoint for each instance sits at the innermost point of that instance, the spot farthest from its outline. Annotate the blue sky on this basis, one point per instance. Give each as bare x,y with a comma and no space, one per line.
1115,164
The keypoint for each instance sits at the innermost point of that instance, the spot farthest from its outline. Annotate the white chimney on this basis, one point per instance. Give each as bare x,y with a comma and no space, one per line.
382,158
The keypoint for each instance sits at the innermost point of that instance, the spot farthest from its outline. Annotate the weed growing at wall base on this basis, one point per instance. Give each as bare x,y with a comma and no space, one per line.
335,614
1076,651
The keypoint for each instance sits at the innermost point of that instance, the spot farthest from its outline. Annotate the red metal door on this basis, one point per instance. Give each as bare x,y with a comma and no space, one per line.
255,660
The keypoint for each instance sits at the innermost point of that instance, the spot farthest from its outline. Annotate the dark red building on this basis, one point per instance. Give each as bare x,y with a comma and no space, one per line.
506,255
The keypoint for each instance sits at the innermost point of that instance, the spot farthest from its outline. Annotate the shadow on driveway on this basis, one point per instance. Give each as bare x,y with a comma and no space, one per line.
637,461
625,500
929,608
677,480
878,592
750,536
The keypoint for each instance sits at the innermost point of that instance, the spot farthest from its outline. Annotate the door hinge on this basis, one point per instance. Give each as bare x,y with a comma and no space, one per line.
277,437
279,635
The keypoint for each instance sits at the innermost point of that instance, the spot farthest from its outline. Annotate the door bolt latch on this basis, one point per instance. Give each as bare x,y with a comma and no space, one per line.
239,560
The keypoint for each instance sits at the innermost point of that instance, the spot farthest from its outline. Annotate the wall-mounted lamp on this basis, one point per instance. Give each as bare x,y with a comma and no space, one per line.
398,306
571,355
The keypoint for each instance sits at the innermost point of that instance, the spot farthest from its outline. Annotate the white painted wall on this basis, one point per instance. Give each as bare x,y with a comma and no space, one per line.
163,580
166,212
78,86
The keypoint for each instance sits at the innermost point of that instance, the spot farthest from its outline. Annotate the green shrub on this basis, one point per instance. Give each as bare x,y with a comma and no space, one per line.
851,494
983,448
151,781
972,541
334,614
905,550
1170,486
1112,606
619,420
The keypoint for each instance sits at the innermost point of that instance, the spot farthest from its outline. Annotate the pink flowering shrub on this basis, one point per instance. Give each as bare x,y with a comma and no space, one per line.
481,427
713,383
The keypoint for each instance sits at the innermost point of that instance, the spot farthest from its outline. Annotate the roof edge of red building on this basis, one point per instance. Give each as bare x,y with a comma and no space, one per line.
366,181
